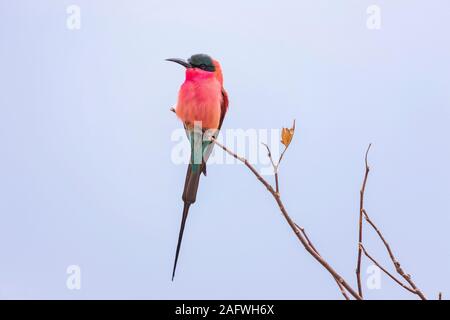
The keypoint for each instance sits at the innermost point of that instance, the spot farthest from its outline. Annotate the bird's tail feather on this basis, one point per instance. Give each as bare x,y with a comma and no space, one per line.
180,235
191,184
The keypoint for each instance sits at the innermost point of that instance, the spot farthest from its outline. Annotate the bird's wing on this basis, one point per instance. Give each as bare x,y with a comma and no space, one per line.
223,111
223,106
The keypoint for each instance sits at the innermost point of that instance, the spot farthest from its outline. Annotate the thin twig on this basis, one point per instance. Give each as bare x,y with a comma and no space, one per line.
397,265
387,272
275,166
440,296
291,223
363,213
360,234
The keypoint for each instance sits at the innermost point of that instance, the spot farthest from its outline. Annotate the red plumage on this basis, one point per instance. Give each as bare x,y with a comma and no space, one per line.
202,98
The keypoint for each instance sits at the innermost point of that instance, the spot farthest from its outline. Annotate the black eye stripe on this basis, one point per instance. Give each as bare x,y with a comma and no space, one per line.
205,67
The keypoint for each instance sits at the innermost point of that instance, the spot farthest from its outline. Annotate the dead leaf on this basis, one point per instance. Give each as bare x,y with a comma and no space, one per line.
287,134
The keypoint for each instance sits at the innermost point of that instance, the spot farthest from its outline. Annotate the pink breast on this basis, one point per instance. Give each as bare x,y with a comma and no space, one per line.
199,99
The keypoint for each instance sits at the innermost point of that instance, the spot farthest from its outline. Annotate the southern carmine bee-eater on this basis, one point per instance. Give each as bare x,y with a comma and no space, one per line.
202,105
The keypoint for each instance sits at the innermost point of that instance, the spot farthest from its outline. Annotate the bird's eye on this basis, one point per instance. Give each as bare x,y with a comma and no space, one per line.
203,66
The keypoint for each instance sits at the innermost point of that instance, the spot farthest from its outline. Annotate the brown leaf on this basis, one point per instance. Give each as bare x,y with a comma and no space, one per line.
286,135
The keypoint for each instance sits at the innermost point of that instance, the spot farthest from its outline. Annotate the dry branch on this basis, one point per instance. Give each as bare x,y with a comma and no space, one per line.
360,233
413,288
385,271
397,265
299,234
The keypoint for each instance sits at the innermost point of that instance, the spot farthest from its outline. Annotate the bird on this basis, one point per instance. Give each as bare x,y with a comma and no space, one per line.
201,106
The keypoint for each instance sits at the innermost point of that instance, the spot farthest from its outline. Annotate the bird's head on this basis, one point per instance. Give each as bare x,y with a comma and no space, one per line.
200,65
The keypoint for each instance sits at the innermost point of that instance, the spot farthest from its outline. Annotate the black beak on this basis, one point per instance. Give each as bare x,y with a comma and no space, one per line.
180,61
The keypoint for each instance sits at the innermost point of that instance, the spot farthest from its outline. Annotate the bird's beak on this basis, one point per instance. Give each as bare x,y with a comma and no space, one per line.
180,61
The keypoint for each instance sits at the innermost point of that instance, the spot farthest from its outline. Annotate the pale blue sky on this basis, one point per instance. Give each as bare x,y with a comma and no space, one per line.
86,176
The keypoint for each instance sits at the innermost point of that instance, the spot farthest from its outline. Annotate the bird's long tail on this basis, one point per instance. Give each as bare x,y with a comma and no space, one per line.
189,196
191,184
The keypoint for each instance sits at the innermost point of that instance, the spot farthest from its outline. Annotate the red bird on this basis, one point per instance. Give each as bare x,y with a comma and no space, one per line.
202,105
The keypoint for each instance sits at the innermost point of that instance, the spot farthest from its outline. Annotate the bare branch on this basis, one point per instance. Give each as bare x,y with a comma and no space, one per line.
275,167
291,223
397,265
269,154
360,236
363,213
387,272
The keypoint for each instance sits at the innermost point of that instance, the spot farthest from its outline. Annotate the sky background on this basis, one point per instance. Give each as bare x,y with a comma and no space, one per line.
87,179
